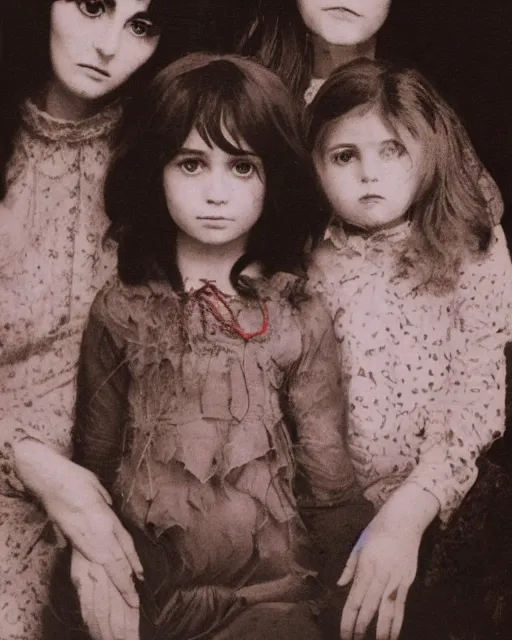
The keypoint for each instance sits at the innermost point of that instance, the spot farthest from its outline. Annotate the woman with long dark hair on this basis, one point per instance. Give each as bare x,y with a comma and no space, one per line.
68,68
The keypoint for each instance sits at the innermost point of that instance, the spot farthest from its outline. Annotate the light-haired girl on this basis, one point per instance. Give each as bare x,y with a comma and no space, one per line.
418,282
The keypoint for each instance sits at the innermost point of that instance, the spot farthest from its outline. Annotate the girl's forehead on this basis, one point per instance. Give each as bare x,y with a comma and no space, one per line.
366,124
202,138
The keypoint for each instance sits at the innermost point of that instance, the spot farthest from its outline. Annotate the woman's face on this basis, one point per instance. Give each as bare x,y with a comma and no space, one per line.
344,22
96,45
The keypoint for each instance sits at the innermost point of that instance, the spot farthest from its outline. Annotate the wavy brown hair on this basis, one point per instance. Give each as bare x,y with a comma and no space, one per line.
449,218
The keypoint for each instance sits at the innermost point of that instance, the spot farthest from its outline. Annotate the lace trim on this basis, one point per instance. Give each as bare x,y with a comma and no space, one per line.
42,125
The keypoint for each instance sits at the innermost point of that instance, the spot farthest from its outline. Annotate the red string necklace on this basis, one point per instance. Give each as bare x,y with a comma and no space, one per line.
218,304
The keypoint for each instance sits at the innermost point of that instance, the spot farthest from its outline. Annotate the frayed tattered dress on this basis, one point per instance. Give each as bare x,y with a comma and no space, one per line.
53,261
202,432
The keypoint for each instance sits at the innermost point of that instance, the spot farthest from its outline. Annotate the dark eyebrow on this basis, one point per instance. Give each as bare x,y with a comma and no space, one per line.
340,145
186,150
199,152
112,4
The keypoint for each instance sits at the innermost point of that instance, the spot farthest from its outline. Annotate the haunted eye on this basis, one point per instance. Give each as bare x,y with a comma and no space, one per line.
190,165
393,149
344,156
92,8
143,28
243,169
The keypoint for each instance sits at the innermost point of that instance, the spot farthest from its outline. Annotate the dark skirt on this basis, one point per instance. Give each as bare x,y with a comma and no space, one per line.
463,589
230,618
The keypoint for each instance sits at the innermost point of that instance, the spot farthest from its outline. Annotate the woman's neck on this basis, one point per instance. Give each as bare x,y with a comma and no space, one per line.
62,104
198,262
328,57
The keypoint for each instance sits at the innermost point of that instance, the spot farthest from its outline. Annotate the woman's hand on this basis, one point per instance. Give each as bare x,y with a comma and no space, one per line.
104,611
80,506
383,564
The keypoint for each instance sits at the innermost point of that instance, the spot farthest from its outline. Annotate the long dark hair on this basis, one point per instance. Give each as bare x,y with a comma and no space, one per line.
449,216
209,92
25,67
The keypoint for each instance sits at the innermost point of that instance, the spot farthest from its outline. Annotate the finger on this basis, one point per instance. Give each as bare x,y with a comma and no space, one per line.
369,607
84,585
132,623
117,612
102,604
353,605
124,620
398,619
86,596
387,612
102,491
126,542
120,572
350,568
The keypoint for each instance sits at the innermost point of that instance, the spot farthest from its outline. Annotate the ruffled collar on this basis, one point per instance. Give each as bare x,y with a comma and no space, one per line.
360,240
42,125
281,282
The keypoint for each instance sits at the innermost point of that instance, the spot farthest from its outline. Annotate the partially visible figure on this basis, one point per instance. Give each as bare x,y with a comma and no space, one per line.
418,281
304,41
68,67
208,387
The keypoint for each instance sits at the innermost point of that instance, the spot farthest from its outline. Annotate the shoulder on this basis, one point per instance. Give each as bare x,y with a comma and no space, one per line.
494,261
296,305
127,311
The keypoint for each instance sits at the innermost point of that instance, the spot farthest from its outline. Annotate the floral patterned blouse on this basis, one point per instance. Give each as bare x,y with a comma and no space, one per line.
52,263
424,374
201,437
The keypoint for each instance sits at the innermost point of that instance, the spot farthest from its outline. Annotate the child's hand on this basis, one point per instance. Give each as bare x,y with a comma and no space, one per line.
383,567
383,563
77,502
104,611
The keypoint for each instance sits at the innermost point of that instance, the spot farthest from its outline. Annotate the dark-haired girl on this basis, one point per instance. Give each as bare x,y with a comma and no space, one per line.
418,281
207,387
67,69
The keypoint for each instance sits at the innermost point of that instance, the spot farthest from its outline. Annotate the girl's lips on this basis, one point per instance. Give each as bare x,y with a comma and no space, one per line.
371,197
213,218
342,11
96,69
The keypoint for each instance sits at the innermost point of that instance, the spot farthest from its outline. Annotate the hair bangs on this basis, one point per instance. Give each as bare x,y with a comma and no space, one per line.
218,125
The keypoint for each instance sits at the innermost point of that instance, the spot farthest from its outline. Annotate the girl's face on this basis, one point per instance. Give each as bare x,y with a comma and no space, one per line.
96,45
344,22
213,197
369,173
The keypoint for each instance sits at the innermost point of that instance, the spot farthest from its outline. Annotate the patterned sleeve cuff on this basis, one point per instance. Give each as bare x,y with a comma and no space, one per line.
444,484
10,483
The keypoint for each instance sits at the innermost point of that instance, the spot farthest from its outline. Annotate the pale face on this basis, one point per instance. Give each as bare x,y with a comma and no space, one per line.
213,197
369,172
344,22
96,45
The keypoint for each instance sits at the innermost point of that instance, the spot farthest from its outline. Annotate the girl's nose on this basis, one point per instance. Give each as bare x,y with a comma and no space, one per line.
369,169
108,40
217,189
